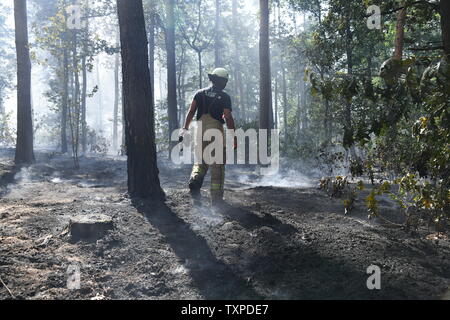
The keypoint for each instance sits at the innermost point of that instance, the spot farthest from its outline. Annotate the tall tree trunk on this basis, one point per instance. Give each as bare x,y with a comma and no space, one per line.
24,147
285,100
74,115
265,75
99,97
65,101
151,52
116,97
217,37
276,102
237,63
305,122
200,69
83,105
445,24
180,85
171,68
348,104
143,179
84,87
400,34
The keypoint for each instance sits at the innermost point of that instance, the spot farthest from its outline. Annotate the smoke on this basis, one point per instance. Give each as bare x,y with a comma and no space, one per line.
289,179
19,188
206,218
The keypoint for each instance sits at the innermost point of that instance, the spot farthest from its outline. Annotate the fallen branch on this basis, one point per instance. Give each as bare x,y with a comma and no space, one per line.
7,289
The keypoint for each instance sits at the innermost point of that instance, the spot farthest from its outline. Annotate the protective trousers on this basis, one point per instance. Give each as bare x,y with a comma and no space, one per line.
217,169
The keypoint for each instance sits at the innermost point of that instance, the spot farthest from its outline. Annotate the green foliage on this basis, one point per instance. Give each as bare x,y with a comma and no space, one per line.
7,134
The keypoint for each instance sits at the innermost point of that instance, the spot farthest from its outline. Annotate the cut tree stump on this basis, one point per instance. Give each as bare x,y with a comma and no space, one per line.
90,227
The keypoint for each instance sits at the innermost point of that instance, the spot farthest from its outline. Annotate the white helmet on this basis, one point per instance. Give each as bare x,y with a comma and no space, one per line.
221,73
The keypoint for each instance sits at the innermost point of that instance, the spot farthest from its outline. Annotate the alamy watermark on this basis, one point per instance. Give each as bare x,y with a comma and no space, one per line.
76,17
374,20
220,149
374,281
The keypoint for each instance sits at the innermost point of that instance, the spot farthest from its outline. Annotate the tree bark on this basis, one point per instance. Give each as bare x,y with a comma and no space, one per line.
116,97
143,174
400,34
445,23
84,88
265,74
237,64
99,97
180,85
276,102
83,105
65,101
75,114
200,69
24,147
217,37
151,52
285,100
171,68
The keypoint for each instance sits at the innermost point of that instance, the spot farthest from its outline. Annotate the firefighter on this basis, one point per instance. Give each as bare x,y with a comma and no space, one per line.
213,108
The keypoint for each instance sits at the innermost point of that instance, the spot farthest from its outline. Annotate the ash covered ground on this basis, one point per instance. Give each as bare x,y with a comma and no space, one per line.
277,238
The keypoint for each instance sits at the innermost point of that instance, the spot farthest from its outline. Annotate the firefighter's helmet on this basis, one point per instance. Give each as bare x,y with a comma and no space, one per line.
220,73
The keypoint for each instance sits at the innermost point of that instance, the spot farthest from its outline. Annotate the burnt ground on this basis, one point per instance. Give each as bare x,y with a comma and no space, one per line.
289,241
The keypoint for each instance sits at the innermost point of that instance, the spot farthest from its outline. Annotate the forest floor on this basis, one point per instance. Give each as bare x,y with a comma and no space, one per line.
282,241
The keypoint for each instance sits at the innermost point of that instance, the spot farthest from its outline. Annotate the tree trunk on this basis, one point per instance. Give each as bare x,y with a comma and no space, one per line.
84,87
400,34
75,116
180,85
151,53
445,23
217,37
276,102
200,67
285,101
171,68
65,102
99,98
348,104
143,179
83,105
237,63
264,60
116,97
24,147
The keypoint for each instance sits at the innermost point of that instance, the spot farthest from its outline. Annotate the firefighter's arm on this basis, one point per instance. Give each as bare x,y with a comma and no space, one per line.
227,114
191,114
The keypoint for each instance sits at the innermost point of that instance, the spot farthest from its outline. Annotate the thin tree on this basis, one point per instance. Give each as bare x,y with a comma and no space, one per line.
400,34
444,9
172,102
143,174
116,96
217,37
151,48
265,117
24,147
199,42
65,97
239,91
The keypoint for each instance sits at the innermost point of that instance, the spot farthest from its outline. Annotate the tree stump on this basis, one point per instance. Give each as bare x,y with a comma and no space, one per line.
90,227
